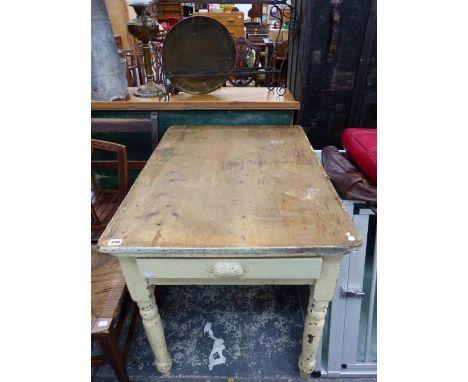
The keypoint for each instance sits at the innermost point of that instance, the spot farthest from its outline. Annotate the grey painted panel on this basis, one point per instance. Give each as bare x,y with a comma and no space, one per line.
353,305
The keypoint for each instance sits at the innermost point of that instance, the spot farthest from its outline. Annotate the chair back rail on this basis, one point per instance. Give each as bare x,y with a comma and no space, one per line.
104,203
128,125
243,48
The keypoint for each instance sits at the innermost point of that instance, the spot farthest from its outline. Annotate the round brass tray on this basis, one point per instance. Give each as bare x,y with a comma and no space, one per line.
195,50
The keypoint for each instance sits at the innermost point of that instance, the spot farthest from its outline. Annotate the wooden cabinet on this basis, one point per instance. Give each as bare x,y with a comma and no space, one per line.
170,9
233,21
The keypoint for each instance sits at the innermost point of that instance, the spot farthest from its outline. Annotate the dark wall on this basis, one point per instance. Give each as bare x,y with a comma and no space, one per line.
336,90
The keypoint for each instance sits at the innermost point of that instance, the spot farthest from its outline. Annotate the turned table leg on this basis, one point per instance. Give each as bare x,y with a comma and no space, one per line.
143,295
320,295
155,333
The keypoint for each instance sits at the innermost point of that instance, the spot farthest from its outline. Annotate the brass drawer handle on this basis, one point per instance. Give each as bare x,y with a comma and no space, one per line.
226,269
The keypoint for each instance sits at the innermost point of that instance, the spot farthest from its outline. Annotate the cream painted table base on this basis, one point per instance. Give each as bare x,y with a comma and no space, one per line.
321,293
225,205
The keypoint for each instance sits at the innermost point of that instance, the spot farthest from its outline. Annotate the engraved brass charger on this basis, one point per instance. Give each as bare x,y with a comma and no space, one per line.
198,54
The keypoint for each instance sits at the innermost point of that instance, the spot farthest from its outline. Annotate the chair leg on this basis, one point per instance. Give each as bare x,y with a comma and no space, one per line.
110,346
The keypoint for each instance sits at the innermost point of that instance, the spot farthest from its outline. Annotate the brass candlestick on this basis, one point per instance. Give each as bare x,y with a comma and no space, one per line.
145,32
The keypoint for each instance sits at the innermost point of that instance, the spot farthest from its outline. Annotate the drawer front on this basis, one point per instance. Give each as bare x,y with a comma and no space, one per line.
233,20
236,31
255,269
226,18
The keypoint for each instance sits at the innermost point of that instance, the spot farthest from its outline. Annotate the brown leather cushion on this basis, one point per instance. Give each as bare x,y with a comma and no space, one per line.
107,286
348,180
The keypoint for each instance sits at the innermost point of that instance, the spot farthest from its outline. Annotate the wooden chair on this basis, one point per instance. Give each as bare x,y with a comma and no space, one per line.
110,301
243,49
256,12
110,306
155,52
105,201
133,65
280,53
280,56
126,126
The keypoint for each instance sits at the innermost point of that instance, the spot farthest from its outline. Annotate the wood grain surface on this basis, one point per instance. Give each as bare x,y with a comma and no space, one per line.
223,191
232,98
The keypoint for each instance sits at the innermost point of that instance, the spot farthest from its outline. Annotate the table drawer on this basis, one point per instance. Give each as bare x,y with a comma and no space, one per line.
257,269
236,32
234,21
226,18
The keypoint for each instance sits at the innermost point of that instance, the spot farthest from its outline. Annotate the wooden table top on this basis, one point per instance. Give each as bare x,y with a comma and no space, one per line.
232,98
231,191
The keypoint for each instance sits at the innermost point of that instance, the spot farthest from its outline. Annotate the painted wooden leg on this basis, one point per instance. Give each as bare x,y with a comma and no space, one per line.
110,346
320,295
143,295
313,328
154,330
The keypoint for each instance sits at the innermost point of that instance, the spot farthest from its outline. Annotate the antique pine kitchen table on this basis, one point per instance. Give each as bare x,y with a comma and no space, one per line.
243,205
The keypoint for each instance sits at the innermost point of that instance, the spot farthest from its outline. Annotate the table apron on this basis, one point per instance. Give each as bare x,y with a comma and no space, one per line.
225,281
227,271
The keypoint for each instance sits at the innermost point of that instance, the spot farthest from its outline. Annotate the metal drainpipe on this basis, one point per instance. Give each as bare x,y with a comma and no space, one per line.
108,81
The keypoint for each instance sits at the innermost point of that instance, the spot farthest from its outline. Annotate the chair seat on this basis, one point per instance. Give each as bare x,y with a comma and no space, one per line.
107,286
